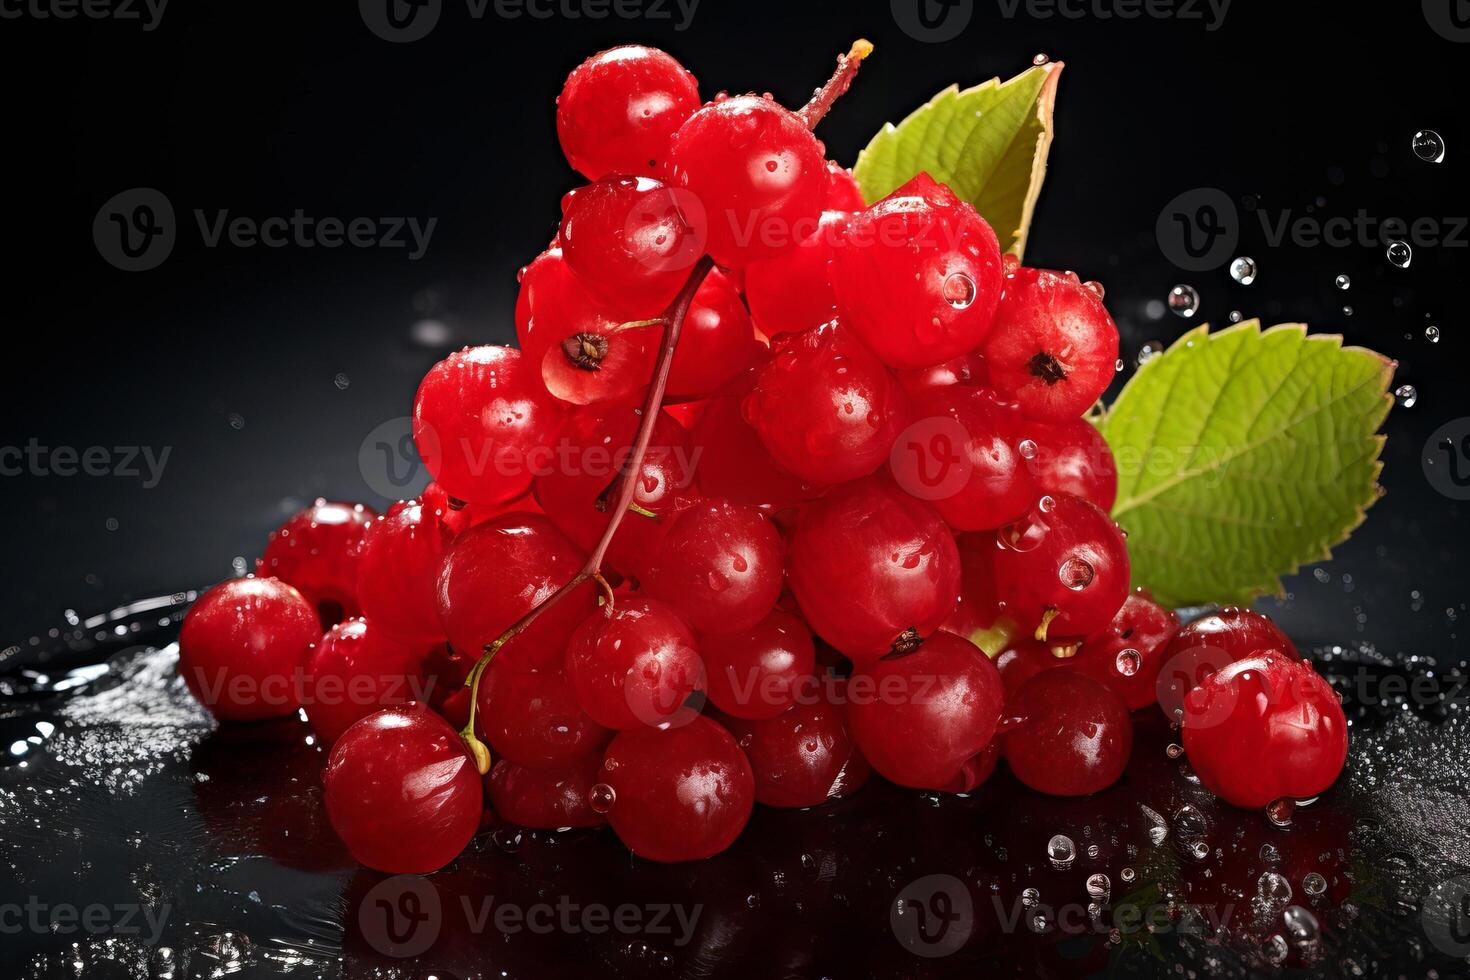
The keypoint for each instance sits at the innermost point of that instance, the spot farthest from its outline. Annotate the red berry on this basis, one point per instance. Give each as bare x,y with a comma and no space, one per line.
825,407
499,571
533,719
792,291
243,648
401,553
1071,456
872,567
1053,348
478,419
920,718
631,241
733,461
759,172
679,794
317,552
1062,570
720,567
1129,652
967,369
1263,729
546,798
977,769
978,608
717,342
843,193
1212,643
1072,736
918,275
803,757
634,664
580,489
1022,659
355,670
757,673
402,792
619,108
963,456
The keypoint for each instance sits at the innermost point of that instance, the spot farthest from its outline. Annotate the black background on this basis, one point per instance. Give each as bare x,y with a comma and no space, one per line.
231,356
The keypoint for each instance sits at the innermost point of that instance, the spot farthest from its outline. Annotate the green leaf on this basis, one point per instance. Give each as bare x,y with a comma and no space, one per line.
1244,454
989,143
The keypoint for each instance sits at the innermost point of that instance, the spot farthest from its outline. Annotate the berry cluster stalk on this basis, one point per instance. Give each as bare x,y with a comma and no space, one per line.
673,324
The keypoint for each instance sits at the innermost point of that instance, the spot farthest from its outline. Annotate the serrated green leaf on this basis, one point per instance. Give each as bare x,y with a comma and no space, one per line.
989,143
1244,454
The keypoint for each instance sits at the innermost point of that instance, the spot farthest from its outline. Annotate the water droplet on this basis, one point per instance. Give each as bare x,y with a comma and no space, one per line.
1174,750
1097,288
1127,875
1313,883
1276,950
1400,254
1158,829
236,420
1076,573
601,798
1243,270
1280,812
959,291
1027,448
1199,850
1428,146
1343,282
1118,365
1301,925
1273,889
1150,350
1030,896
1431,334
1040,59
1191,824
341,381
1406,395
1061,851
1099,887
1184,301
1269,854
1236,316
1128,661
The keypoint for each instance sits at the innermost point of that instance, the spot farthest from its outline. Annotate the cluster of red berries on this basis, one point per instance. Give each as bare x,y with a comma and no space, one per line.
665,581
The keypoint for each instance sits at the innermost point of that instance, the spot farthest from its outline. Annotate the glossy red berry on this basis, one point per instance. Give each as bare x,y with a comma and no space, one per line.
968,370
1129,652
717,342
758,171
631,241
1062,570
634,664
401,553
843,193
402,792
1071,456
1210,643
977,769
963,455
873,568
720,567
545,798
918,275
533,719
619,108
579,490
1071,735
1022,659
677,794
1263,729
497,572
479,417
317,551
803,757
792,291
826,409
354,671
243,648
920,718
733,461
1053,348
977,611
758,673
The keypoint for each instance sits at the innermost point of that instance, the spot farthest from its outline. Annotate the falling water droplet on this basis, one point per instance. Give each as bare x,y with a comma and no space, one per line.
1174,750
1190,823
1128,661
1243,270
1301,925
1127,875
1158,829
1428,146
1280,812
1276,950
1236,316
1030,896
1099,887
1060,850
1400,254
1184,301
1076,573
1040,59
1407,396
959,291
601,798
1273,889
1343,282
1199,850
1431,334
1150,350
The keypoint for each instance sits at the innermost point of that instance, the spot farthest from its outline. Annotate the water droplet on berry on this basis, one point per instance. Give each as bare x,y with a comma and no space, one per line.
1431,334
1243,270
1183,301
601,798
1400,254
1313,883
1343,282
1076,573
1128,661
1406,395
1060,850
1150,350
1428,146
958,290
1027,448
1280,812
1096,287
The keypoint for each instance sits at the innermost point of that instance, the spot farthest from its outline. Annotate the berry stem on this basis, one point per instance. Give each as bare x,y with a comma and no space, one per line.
840,82
673,322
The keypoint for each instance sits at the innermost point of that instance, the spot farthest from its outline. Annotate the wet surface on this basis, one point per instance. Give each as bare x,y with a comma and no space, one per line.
140,840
